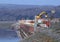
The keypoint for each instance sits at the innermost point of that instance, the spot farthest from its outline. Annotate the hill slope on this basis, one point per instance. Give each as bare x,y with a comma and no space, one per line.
9,12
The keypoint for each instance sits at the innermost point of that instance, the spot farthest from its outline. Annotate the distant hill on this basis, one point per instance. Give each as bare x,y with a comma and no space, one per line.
11,12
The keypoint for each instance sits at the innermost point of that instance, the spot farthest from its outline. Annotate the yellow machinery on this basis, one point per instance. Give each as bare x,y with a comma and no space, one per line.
40,15
41,22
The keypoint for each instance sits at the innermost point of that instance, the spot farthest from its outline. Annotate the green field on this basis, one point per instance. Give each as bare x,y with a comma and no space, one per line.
6,24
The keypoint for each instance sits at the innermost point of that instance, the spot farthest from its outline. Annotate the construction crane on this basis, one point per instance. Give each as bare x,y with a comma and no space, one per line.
41,22
41,14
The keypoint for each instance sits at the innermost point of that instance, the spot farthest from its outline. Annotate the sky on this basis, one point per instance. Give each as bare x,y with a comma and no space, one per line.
31,2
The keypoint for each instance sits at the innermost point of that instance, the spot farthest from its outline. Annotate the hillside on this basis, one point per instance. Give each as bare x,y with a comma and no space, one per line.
10,12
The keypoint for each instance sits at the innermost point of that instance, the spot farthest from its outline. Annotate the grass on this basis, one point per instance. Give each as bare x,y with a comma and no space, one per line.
39,37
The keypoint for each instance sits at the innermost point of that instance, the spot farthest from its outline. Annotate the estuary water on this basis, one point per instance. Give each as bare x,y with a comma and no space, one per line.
8,36
9,40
